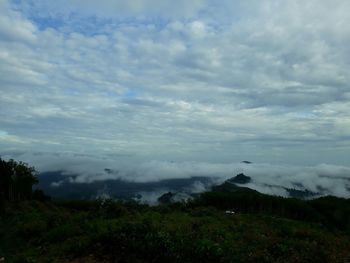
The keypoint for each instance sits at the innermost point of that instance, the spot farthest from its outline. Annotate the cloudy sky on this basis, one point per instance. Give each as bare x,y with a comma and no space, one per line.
185,81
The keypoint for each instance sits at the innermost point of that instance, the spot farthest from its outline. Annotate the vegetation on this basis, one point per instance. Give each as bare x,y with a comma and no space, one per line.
261,229
16,180
200,231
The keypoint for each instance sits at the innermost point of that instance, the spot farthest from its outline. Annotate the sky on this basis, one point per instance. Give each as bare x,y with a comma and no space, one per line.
85,82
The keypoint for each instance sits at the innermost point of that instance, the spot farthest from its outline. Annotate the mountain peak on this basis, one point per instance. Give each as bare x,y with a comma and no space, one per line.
240,178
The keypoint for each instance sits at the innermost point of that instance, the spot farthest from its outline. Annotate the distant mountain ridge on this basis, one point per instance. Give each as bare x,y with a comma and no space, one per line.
59,185
240,178
119,189
234,184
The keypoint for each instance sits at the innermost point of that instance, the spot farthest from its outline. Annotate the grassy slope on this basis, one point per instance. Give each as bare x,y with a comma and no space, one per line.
66,232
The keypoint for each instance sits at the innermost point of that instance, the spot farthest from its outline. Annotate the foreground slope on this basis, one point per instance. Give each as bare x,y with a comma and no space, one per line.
200,231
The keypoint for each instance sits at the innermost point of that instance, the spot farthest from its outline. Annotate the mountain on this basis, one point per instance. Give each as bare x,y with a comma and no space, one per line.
230,185
240,179
62,186
234,184
118,189
301,194
166,198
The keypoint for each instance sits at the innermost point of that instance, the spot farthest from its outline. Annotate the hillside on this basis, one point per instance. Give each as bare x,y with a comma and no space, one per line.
262,229
228,224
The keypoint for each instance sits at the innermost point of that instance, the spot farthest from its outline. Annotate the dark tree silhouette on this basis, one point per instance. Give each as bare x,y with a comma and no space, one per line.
16,180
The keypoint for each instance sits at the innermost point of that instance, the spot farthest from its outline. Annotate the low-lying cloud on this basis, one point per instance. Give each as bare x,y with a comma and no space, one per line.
266,178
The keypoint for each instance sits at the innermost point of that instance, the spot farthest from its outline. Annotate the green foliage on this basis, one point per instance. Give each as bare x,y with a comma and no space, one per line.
262,229
16,180
119,232
39,195
33,228
335,211
330,211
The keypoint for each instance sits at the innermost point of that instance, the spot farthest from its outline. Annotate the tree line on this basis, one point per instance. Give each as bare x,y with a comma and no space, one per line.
16,180
333,212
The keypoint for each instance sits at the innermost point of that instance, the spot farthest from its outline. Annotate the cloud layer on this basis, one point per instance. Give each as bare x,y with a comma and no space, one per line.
197,81
267,178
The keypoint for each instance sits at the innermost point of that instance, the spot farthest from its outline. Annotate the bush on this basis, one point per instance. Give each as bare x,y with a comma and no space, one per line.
33,228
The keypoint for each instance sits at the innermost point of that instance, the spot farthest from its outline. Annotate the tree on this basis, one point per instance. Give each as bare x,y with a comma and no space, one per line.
16,180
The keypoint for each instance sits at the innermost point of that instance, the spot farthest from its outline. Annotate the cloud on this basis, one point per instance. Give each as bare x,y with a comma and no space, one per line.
184,81
14,27
115,8
266,178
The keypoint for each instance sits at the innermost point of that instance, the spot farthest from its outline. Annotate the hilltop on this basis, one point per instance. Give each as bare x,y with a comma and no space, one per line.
219,225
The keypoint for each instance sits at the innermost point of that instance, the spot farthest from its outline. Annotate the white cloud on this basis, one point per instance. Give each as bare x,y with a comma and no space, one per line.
266,178
14,27
185,81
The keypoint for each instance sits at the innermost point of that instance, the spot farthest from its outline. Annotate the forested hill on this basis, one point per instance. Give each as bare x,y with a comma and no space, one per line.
216,226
